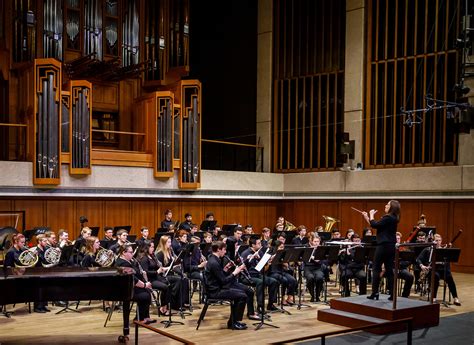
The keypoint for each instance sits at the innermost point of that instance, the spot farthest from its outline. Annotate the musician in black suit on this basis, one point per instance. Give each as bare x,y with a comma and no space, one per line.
251,257
188,222
219,285
403,272
109,234
167,222
180,241
145,236
284,275
425,263
314,270
300,239
141,293
351,268
122,236
11,258
41,306
385,252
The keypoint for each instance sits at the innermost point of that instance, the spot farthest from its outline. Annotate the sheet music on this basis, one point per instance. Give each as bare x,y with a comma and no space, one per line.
263,261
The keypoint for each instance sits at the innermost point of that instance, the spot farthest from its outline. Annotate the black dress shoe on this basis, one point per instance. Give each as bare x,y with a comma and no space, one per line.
272,307
241,323
46,309
37,310
150,321
374,296
390,298
237,326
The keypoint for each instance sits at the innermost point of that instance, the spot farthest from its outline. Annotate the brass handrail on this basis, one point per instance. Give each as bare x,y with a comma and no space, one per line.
13,125
159,331
231,143
117,132
408,321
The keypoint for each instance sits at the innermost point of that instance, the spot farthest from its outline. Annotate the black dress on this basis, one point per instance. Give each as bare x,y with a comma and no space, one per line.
179,284
140,295
150,265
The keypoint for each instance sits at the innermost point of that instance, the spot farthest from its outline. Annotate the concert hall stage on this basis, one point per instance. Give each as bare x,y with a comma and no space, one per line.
359,311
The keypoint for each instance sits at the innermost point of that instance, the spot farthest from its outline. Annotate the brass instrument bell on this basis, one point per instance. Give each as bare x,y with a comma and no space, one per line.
330,221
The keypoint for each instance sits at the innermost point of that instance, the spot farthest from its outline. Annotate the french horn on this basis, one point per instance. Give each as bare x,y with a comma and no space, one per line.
28,258
105,257
52,256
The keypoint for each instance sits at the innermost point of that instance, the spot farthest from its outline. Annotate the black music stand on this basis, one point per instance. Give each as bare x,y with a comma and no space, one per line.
448,255
261,268
66,254
158,235
186,252
366,256
228,229
94,230
208,225
279,258
296,255
170,322
328,253
324,235
372,240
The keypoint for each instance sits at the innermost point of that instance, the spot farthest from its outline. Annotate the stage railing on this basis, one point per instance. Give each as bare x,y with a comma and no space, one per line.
397,261
323,336
139,324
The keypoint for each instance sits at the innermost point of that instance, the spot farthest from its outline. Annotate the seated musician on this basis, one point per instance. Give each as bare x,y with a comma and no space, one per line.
80,243
154,270
41,306
210,217
145,233
335,235
284,275
279,227
300,239
216,232
207,237
366,232
51,237
423,261
351,268
63,236
266,237
195,262
122,236
248,230
314,271
235,240
251,257
192,232
92,247
179,283
403,271
221,285
141,293
420,238
349,234
109,234
188,222
11,258
167,222
180,241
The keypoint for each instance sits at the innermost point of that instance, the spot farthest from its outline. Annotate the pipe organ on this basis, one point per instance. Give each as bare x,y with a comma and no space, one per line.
78,63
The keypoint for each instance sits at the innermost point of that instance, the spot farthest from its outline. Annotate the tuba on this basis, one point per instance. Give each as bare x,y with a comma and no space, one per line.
105,257
52,255
330,221
28,258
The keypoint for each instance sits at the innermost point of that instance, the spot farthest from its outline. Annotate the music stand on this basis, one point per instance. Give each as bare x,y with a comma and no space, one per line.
66,254
324,235
208,225
328,253
131,238
278,259
158,235
369,240
228,229
448,255
205,249
261,268
296,255
94,230
107,244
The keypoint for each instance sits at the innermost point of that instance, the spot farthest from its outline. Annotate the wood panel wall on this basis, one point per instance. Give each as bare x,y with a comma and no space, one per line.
447,215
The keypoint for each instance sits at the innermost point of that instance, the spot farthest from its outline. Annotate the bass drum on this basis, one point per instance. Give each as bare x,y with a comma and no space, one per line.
6,237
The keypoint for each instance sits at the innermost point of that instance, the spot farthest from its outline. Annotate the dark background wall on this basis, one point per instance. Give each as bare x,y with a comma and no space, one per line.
223,55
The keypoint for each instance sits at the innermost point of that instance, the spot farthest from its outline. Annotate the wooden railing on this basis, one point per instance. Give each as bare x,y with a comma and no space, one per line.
139,324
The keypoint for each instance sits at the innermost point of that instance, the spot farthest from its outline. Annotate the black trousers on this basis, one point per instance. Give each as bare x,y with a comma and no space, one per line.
449,281
178,285
272,289
239,299
357,273
405,275
314,278
384,254
143,299
249,293
287,281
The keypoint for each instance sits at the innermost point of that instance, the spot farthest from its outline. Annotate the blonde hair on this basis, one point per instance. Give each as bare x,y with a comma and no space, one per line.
167,254
90,245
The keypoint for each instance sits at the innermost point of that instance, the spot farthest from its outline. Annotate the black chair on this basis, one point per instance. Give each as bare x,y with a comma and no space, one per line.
211,301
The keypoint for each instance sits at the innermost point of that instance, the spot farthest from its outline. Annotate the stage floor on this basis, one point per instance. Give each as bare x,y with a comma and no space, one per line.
87,327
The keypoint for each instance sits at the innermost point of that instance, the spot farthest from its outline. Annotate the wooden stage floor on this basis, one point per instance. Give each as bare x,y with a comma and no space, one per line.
87,327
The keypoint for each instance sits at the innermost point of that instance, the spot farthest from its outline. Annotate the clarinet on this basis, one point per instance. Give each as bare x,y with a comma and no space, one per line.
244,272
